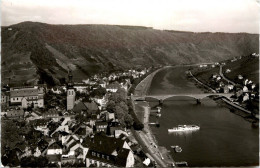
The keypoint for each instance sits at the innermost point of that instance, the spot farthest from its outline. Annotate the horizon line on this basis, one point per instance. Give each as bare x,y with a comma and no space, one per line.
188,31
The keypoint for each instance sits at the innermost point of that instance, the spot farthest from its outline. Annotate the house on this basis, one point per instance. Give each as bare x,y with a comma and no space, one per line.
19,113
51,113
101,126
246,97
74,152
239,92
101,101
240,77
221,84
30,96
255,55
230,87
253,86
62,128
214,76
226,89
41,125
103,84
110,116
113,87
218,78
245,89
81,87
90,109
54,152
81,130
118,132
37,152
80,108
124,85
5,99
108,152
228,70
56,90
146,162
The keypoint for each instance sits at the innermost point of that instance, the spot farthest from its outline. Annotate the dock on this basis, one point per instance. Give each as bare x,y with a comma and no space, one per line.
182,163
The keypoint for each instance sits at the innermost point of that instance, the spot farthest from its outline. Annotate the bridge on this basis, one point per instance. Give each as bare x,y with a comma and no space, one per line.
197,96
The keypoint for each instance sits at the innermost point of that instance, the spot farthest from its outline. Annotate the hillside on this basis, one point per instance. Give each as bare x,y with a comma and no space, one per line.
247,66
32,50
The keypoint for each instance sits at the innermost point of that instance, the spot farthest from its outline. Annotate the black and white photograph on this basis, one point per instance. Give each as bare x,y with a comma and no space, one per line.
129,83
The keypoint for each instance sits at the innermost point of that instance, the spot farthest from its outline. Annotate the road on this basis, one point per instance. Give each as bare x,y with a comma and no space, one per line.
146,140
212,90
222,75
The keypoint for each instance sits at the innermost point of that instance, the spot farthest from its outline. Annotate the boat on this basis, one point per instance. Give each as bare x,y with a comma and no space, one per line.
181,164
177,148
181,128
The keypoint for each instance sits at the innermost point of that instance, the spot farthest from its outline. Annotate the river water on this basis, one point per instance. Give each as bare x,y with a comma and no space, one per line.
224,139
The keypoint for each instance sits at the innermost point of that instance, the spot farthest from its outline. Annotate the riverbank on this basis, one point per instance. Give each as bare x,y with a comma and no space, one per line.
234,108
143,87
159,153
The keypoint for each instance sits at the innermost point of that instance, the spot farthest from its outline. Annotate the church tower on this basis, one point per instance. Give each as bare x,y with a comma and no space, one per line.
70,93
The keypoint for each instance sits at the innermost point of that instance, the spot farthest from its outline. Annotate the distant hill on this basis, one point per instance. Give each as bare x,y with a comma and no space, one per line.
33,50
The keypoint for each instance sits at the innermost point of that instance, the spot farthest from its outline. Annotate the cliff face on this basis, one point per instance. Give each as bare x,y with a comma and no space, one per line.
32,50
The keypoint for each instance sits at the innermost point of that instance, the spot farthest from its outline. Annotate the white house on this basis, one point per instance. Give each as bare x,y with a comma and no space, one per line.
240,77
246,97
245,89
228,70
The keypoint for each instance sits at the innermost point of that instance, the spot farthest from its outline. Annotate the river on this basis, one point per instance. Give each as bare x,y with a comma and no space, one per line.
224,139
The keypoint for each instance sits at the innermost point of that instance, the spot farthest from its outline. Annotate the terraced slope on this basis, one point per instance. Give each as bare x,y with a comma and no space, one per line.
32,51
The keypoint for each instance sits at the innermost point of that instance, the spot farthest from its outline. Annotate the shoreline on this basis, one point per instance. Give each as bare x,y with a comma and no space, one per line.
227,102
147,133
159,153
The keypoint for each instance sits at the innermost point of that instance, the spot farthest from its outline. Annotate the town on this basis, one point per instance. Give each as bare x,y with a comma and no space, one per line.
85,124
221,78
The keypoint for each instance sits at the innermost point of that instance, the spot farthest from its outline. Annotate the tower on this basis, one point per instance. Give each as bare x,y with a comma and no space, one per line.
70,93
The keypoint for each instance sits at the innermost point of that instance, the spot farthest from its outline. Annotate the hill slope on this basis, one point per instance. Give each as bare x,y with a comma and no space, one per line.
31,50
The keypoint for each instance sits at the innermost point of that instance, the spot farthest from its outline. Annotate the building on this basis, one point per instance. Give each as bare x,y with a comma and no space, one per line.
15,113
101,101
27,96
113,87
5,99
81,87
101,126
70,93
108,152
54,152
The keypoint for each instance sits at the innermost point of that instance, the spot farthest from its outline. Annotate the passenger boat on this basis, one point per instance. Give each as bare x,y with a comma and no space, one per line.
181,128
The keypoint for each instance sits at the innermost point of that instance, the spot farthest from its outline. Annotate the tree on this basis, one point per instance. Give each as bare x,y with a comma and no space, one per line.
111,106
124,107
119,112
128,120
10,159
32,161
100,92
138,125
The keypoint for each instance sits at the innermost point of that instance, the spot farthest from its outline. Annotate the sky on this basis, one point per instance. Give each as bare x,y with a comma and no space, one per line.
184,15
